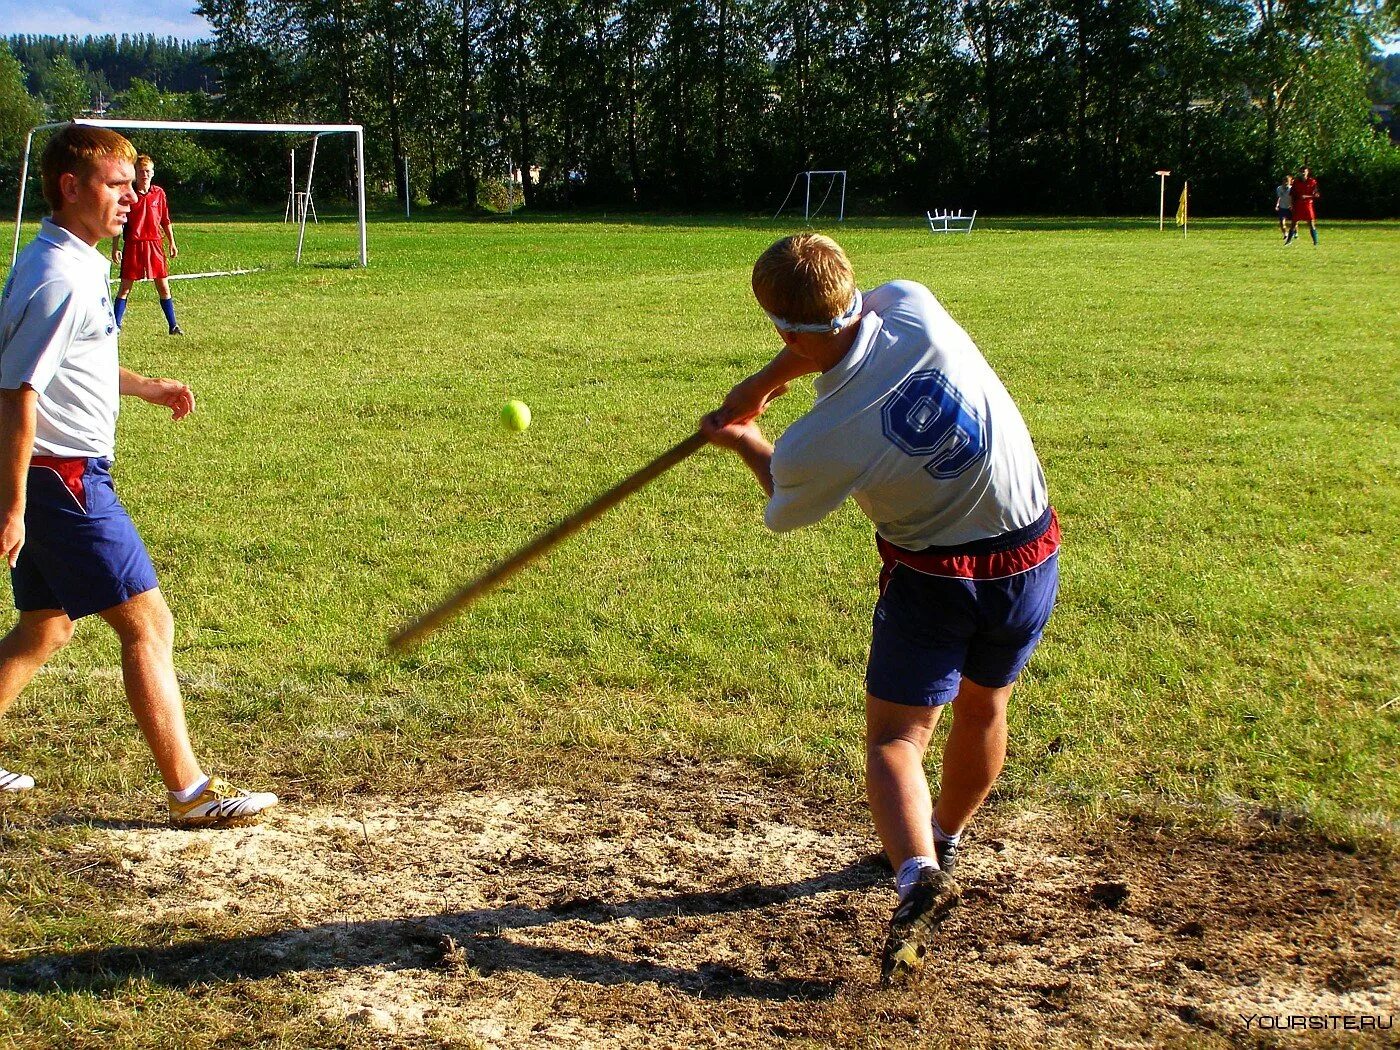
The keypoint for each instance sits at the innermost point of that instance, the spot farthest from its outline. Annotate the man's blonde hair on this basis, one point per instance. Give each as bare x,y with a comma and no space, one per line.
143,160
804,279
74,150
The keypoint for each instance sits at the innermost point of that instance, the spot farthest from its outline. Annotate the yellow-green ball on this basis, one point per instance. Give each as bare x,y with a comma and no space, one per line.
515,415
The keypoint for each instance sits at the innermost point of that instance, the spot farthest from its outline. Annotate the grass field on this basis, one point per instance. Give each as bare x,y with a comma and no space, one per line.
1217,417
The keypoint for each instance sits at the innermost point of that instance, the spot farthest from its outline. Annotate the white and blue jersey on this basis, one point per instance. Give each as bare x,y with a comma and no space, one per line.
915,426
58,335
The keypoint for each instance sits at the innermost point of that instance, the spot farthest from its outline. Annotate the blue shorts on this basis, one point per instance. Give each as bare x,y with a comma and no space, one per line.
932,630
1285,213
81,551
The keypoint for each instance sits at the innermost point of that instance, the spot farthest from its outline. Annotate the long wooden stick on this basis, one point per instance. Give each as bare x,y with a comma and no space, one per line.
503,570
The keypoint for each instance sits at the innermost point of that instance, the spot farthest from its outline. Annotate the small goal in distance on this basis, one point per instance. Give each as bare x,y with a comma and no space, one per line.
808,214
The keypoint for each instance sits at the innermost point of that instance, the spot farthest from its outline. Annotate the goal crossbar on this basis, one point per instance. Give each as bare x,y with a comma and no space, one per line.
211,125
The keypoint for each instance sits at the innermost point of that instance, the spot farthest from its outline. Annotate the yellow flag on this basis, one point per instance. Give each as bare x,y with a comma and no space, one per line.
1181,208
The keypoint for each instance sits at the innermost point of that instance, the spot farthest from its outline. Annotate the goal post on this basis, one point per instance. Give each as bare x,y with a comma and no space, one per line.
317,130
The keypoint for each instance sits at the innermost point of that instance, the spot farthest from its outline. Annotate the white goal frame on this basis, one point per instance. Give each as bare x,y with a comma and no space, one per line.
210,125
807,205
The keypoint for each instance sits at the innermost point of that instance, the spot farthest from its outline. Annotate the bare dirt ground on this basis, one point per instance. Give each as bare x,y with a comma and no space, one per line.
703,906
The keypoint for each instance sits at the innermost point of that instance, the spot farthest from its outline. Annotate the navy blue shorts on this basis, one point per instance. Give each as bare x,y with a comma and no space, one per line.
81,551
1286,213
930,631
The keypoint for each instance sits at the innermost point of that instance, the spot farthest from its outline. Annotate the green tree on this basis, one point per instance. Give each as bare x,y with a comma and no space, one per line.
18,110
66,89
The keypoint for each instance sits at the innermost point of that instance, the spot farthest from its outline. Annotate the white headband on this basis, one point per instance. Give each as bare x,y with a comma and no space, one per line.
851,315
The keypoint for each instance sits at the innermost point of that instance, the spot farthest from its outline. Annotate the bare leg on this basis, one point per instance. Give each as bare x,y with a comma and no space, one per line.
973,754
147,633
35,638
124,288
163,287
896,737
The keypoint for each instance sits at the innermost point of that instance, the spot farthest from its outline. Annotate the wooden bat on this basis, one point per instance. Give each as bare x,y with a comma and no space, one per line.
504,570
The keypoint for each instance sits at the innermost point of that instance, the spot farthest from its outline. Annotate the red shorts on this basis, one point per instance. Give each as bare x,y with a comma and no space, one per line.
1303,211
143,260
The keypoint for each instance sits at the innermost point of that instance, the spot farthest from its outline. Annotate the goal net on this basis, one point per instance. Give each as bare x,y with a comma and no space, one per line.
291,245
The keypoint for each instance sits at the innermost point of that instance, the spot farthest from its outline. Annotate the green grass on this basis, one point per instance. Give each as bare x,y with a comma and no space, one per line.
1216,416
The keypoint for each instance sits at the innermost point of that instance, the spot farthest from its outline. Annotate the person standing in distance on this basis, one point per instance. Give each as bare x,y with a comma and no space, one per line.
143,257
912,423
1283,205
1305,195
72,549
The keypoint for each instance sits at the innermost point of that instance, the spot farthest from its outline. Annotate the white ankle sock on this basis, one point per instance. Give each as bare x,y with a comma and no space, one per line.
908,874
942,836
189,794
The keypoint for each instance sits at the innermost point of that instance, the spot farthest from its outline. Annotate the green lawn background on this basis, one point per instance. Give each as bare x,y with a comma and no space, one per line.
1217,417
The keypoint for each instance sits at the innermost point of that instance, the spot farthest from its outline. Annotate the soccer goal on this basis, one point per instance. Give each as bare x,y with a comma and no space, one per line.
317,131
805,178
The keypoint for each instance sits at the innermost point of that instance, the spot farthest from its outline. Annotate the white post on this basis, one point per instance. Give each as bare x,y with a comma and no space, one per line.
510,187
19,209
291,191
407,193
842,216
807,207
360,170
1162,174
310,170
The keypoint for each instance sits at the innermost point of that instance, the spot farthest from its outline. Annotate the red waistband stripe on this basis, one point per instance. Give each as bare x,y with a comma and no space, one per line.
994,565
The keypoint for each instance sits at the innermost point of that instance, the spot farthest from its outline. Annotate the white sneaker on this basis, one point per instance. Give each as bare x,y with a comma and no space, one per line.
14,781
219,803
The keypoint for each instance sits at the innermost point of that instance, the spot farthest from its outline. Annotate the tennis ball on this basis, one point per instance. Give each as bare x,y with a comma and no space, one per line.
515,415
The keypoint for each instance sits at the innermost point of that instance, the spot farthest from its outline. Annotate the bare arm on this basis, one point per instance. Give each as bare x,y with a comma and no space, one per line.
171,393
169,228
17,416
747,400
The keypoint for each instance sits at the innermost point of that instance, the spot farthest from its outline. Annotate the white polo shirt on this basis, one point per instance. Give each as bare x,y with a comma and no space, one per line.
915,426
58,335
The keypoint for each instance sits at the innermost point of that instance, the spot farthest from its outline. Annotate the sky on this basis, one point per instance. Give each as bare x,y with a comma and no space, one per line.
99,17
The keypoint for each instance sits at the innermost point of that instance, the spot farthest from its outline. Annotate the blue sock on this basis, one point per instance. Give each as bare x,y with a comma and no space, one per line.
168,305
1314,235
119,311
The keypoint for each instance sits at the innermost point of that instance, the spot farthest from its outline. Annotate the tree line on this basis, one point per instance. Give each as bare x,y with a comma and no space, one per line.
1048,106
108,64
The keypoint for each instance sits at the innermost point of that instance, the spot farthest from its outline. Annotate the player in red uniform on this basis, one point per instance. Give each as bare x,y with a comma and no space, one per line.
1304,193
142,256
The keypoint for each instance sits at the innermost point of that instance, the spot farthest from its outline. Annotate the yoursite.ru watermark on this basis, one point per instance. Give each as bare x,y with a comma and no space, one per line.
1318,1022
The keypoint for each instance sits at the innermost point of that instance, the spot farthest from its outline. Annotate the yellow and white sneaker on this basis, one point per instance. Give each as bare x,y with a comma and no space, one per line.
219,803
14,781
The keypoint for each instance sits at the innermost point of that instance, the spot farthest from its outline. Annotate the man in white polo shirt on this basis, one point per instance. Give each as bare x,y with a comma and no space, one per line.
72,549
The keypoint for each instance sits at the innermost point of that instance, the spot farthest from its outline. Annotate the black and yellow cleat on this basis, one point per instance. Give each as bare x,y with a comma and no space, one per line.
913,926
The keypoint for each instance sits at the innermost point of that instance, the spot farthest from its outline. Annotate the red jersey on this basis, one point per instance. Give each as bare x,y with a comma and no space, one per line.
148,215
1305,190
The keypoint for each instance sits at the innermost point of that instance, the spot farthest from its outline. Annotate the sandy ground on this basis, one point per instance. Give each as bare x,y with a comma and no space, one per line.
697,906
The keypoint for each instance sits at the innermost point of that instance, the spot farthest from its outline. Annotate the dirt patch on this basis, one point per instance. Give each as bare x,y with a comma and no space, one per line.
702,906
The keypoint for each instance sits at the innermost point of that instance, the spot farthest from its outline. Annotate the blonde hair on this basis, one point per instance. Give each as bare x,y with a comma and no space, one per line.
804,279
144,161
74,151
